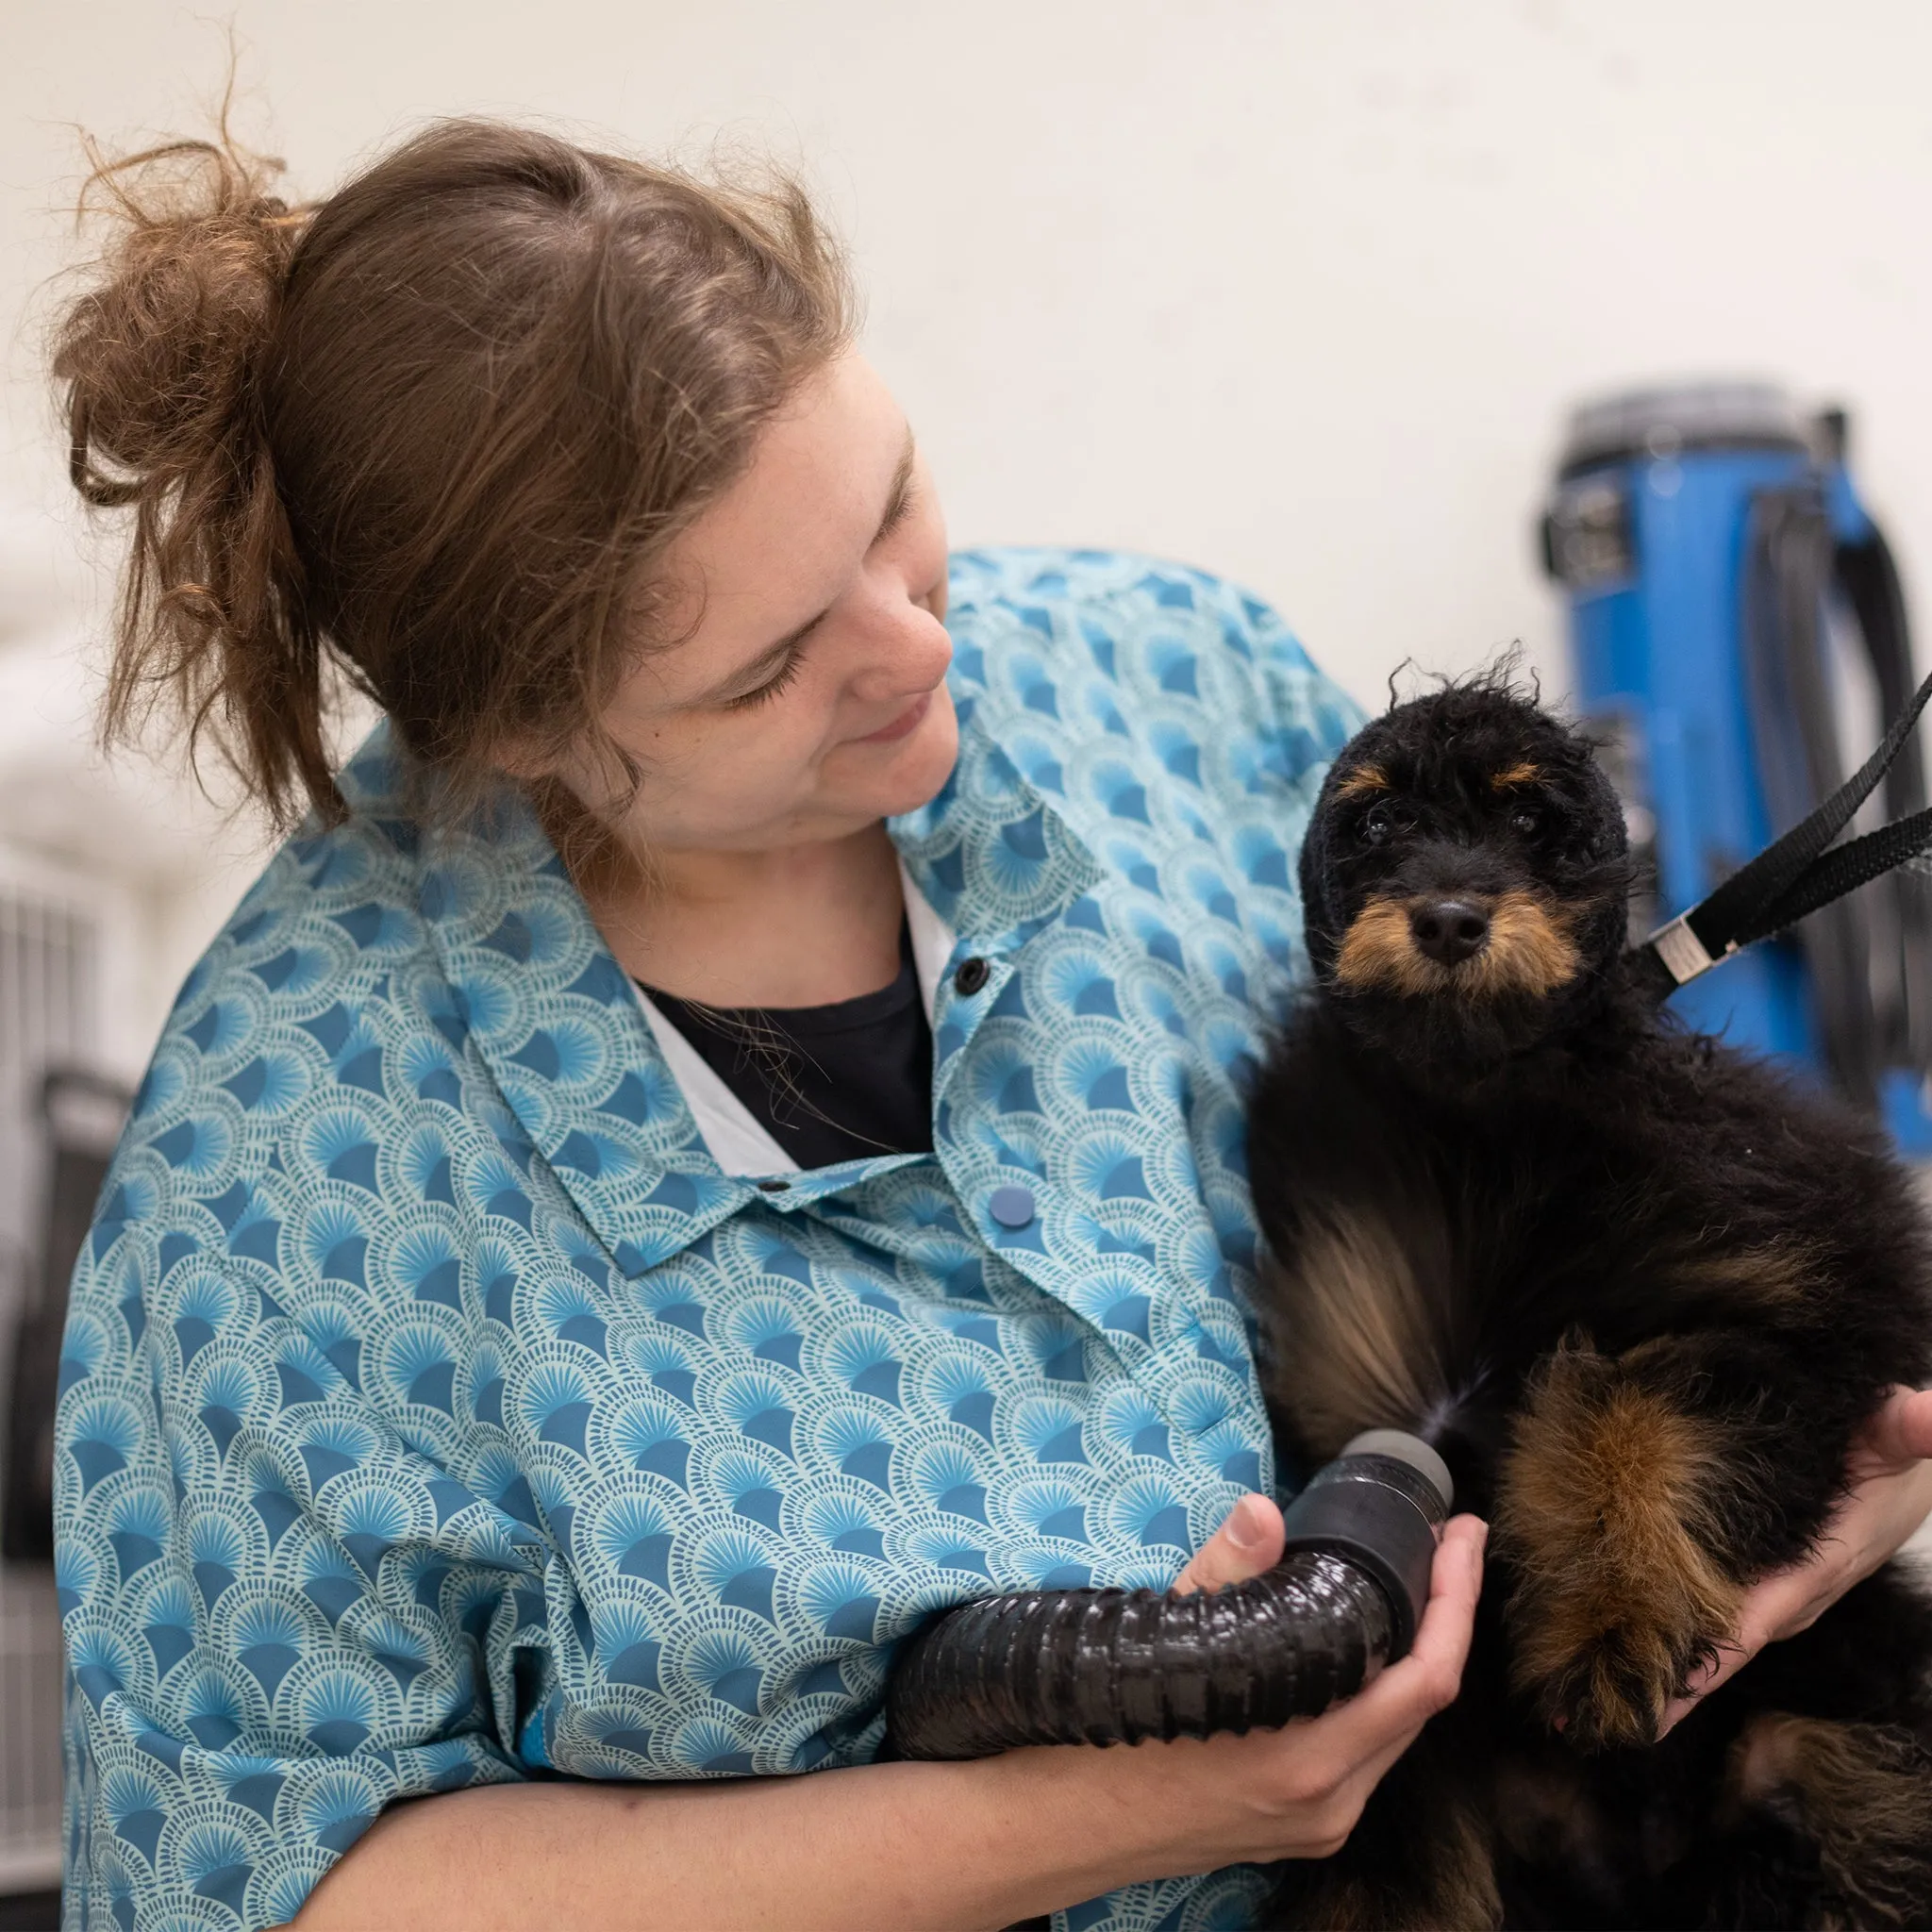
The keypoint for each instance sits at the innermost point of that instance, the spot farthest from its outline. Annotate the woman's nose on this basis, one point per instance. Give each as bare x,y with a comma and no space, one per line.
905,654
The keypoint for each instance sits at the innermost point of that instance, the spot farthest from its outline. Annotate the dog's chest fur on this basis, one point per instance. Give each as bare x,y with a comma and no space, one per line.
1426,1255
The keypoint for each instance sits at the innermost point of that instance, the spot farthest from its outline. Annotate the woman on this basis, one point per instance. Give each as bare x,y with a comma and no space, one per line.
719,1137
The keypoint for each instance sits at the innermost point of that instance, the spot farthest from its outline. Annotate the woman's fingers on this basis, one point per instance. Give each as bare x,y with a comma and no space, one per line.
1246,1544
1901,1432
1328,1768
1365,1736
1730,1659
1890,1494
1409,1693
1310,1778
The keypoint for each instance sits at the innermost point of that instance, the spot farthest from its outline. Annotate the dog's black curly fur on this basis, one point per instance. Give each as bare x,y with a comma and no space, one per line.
1641,1290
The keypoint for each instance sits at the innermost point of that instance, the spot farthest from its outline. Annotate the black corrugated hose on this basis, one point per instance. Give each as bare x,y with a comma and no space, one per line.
1115,1666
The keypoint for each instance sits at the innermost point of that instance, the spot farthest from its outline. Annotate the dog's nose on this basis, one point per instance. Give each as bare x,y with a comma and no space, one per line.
1449,930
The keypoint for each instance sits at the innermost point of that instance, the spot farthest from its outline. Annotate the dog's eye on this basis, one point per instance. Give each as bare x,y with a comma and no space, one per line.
1526,820
1377,826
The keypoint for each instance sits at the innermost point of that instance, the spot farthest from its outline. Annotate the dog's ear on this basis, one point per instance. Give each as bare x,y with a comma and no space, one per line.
1320,914
1608,837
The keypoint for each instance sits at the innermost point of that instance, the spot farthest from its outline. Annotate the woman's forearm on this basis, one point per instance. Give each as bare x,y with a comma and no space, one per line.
913,1847
906,1847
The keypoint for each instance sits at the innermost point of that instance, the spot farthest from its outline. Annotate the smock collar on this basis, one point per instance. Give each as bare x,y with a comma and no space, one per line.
524,970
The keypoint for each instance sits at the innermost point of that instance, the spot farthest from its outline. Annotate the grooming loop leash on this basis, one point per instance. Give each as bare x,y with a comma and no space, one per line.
1797,873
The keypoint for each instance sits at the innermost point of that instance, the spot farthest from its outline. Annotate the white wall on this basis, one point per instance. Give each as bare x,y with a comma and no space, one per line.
1292,289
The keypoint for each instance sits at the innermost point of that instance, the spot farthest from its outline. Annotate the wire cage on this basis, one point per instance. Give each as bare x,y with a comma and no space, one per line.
31,1686
49,1014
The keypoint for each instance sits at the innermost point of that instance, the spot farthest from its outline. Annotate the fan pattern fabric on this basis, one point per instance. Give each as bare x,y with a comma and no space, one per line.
436,1411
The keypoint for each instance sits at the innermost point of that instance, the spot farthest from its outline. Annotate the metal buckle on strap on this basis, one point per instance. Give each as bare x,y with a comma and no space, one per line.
1682,952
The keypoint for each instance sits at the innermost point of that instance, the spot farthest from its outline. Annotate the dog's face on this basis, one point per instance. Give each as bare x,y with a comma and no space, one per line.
1464,879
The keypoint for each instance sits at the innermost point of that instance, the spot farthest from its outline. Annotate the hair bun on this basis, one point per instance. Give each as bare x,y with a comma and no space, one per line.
158,357
161,361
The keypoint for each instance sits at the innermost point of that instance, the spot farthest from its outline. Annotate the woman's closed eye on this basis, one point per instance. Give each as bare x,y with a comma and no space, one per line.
904,500
899,507
766,691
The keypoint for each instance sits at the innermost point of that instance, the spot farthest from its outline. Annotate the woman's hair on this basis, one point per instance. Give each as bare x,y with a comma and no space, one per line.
432,435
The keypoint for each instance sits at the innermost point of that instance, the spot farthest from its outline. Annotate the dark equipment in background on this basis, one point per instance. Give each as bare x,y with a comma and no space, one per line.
1115,1666
81,1115
1728,591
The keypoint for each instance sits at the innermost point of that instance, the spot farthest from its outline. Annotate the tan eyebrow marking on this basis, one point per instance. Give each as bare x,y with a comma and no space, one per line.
1523,773
1362,780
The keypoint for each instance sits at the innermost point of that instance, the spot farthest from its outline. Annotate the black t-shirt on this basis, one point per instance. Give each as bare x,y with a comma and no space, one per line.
845,1082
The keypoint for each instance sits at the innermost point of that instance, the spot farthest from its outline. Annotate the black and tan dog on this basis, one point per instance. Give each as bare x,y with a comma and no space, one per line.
1640,1293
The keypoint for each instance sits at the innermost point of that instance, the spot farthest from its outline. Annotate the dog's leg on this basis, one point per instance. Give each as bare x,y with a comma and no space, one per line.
1857,1797
1610,1523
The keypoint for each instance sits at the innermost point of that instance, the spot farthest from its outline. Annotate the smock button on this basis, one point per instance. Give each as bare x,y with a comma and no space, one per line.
775,1187
972,975
1011,1207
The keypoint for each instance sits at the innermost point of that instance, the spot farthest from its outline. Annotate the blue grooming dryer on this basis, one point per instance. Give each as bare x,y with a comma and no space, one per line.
1721,577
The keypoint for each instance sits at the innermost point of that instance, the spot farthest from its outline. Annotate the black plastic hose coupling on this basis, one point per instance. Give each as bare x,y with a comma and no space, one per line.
1115,1666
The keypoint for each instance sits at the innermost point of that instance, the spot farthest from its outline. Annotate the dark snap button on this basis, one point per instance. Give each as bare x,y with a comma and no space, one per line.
775,1187
972,975
1011,1207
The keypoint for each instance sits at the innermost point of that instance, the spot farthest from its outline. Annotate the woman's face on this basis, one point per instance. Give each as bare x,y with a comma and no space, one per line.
809,700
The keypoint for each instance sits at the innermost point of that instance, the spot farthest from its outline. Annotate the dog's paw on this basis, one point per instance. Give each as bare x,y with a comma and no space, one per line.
1611,1691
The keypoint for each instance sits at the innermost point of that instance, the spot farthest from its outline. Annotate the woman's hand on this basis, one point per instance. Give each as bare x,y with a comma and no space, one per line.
1297,1793
1889,1478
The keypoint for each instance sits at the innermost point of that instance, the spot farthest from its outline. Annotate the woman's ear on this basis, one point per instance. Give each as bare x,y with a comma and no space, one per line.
591,768
521,761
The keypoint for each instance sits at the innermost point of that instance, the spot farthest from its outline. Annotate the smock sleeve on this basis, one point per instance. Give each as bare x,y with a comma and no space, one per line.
280,1616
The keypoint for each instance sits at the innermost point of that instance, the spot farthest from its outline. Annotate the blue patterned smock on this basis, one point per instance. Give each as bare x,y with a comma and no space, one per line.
447,1400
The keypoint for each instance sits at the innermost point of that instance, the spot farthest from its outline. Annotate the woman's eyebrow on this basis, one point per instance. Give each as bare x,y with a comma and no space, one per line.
749,677
900,495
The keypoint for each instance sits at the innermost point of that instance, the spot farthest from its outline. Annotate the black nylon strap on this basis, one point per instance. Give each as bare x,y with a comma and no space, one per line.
1844,869
1795,875
1735,915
